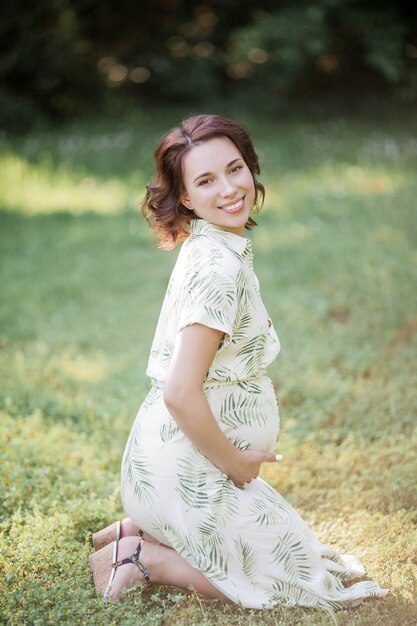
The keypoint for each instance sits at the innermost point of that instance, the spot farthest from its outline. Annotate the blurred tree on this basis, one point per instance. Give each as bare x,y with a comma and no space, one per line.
61,57
330,45
45,62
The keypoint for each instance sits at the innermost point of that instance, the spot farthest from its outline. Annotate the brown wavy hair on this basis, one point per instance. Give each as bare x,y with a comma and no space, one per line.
162,206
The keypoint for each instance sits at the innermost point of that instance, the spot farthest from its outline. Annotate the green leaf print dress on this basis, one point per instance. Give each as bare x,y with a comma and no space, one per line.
250,543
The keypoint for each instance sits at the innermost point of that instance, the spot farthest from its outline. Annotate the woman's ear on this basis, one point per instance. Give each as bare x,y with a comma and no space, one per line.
185,200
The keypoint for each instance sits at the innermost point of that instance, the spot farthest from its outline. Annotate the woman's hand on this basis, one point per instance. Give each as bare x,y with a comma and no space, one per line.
249,465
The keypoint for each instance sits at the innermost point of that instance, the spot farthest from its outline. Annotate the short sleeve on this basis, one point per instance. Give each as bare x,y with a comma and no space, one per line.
209,298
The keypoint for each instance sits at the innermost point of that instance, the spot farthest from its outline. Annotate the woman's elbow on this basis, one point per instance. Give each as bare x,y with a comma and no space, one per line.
177,396
173,397
169,399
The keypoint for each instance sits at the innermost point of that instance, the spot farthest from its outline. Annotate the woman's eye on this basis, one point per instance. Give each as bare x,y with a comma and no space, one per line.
204,181
236,168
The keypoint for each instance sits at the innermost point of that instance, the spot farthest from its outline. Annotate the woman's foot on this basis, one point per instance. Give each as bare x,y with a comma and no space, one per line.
117,530
114,532
129,575
160,564
128,528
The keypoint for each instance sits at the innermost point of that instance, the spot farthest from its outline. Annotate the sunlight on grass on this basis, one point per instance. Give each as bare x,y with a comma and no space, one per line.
42,188
80,368
291,235
66,365
334,182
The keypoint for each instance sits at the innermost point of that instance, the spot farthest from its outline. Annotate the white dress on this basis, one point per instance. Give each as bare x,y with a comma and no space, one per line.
250,543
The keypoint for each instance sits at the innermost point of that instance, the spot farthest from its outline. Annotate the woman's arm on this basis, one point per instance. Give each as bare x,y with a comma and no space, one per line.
194,351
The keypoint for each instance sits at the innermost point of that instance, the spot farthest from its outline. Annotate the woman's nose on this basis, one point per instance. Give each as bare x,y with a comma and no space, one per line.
227,188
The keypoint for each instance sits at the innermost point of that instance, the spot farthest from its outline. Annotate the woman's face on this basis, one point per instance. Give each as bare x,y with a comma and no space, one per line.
218,184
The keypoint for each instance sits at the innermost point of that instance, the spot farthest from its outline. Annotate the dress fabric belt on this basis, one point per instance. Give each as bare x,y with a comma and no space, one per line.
217,383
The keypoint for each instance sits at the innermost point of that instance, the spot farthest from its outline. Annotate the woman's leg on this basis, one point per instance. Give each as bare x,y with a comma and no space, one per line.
165,567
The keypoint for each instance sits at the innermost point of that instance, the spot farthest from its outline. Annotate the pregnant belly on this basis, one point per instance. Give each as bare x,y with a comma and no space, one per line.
247,413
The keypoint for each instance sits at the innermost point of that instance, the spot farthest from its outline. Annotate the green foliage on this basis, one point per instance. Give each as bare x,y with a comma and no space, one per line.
46,63
81,291
307,48
63,57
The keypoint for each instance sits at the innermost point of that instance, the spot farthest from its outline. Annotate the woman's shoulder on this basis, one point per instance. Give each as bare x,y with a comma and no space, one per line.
210,256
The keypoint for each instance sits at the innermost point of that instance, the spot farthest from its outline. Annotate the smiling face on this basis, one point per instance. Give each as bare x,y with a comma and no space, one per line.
219,186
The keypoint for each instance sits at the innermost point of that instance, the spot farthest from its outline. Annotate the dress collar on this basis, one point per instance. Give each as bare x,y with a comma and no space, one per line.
240,245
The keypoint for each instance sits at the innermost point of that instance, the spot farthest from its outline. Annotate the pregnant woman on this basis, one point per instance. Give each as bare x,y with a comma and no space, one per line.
199,516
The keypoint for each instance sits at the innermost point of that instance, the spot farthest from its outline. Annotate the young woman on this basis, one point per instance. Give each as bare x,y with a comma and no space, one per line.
189,480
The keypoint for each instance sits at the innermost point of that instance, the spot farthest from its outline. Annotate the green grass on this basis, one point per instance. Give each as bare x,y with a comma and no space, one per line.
82,284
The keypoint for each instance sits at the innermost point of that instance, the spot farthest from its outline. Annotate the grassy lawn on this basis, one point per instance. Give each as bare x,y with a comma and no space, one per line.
82,284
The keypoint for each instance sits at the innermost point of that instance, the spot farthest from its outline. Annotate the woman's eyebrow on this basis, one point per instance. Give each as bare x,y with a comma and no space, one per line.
208,173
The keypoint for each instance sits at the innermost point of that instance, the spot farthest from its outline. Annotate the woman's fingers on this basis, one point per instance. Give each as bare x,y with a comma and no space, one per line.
252,460
270,457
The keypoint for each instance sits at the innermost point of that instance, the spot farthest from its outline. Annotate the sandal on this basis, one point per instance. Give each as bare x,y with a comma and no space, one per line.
109,534
100,562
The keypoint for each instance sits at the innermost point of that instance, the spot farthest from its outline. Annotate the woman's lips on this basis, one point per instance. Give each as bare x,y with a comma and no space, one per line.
233,207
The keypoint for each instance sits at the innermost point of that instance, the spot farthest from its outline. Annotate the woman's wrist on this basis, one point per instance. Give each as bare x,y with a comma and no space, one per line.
232,463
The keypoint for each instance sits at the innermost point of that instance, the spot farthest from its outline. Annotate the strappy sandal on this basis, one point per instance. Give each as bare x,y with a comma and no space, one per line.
100,563
109,534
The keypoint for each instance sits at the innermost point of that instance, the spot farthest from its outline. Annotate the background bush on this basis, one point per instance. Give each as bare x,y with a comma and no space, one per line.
64,57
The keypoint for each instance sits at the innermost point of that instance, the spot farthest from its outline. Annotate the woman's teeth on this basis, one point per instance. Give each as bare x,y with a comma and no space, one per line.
233,207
